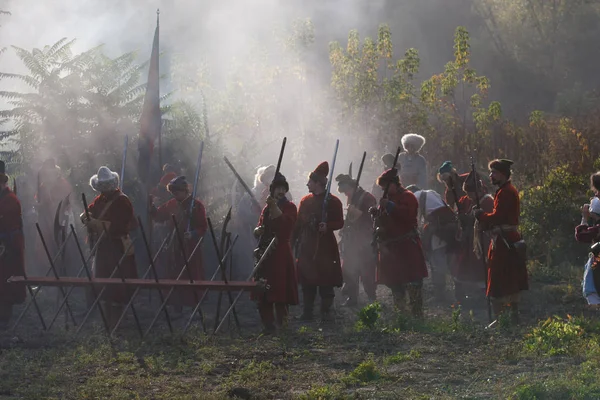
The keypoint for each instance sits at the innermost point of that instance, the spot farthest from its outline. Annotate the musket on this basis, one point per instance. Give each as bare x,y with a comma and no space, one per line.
379,208
87,216
483,257
123,161
194,191
241,181
267,235
327,193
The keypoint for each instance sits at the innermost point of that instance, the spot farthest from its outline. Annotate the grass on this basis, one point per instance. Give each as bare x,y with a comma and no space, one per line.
447,355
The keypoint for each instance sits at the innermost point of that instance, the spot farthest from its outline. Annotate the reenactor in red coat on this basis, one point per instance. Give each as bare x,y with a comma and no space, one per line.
358,262
12,249
401,265
470,270
111,211
453,182
173,263
278,218
319,267
507,273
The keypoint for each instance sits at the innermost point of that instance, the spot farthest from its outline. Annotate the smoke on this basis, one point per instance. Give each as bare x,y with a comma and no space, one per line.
219,44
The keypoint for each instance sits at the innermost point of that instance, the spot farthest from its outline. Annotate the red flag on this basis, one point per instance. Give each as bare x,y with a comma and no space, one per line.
150,121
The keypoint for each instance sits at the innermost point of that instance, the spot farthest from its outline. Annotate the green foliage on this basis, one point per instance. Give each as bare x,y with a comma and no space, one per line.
399,358
324,393
548,215
367,371
555,336
368,316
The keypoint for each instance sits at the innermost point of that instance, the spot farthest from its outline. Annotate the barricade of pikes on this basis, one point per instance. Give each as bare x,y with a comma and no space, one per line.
98,290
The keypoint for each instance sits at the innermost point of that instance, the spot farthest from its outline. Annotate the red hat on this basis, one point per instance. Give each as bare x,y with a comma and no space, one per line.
168,177
390,175
470,183
320,173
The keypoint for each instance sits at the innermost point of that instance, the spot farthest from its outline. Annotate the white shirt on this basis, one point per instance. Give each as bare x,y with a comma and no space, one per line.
433,201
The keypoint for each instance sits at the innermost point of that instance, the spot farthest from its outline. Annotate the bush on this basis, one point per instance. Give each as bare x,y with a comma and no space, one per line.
555,336
368,316
549,214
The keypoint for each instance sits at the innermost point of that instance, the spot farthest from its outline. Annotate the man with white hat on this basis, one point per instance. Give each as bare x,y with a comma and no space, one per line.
413,167
111,212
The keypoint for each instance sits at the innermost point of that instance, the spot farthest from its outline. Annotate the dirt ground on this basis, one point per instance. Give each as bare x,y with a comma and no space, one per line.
448,355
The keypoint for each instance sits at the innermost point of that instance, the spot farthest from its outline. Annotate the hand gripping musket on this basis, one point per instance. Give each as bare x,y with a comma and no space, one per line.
352,199
326,198
483,258
268,234
123,162
377,216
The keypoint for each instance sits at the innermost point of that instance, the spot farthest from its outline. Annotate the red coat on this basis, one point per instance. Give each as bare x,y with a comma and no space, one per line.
458,188
400,261
324,269
469,268
12,263
175,261
278,269
110,250
357,236
507,272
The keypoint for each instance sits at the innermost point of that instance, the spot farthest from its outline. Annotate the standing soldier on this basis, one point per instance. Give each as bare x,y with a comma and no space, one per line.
387,160
12,249
319,258
470,269
245,219
439,231
401,261
277,218
111,212
507,271
176,258
454,183
413,167
357,259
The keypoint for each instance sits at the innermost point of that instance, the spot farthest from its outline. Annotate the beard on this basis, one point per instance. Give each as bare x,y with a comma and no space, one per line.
495,181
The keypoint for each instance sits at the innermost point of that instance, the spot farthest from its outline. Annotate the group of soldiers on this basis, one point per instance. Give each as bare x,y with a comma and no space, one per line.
386,237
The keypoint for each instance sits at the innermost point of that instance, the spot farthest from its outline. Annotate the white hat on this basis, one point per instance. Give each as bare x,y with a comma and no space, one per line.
105,180
413,139
595,206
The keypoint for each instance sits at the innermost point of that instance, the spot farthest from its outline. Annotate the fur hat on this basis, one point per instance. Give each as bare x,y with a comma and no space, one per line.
345,180
388,160
390,175
413,139
177,184
264,175
105,180
472,182
3,176
502,165
279,180
320,173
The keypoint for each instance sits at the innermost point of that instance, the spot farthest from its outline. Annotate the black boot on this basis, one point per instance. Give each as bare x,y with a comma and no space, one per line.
326,314
415,295
308,298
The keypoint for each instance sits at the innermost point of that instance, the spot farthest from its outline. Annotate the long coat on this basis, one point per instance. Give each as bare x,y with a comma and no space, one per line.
278,269
112,248
319,266
174,260
12,262
507,273
401,258
468,267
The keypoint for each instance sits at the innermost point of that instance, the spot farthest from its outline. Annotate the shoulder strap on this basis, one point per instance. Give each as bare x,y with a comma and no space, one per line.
107,206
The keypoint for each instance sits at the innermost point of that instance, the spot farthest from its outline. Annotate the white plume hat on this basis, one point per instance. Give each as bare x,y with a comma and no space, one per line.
105,180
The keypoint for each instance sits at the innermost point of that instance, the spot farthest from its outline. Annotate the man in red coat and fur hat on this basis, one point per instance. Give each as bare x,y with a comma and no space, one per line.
111,211
470,271
358,261
12,249
319,267
507,270
277,218
401,261
193,227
